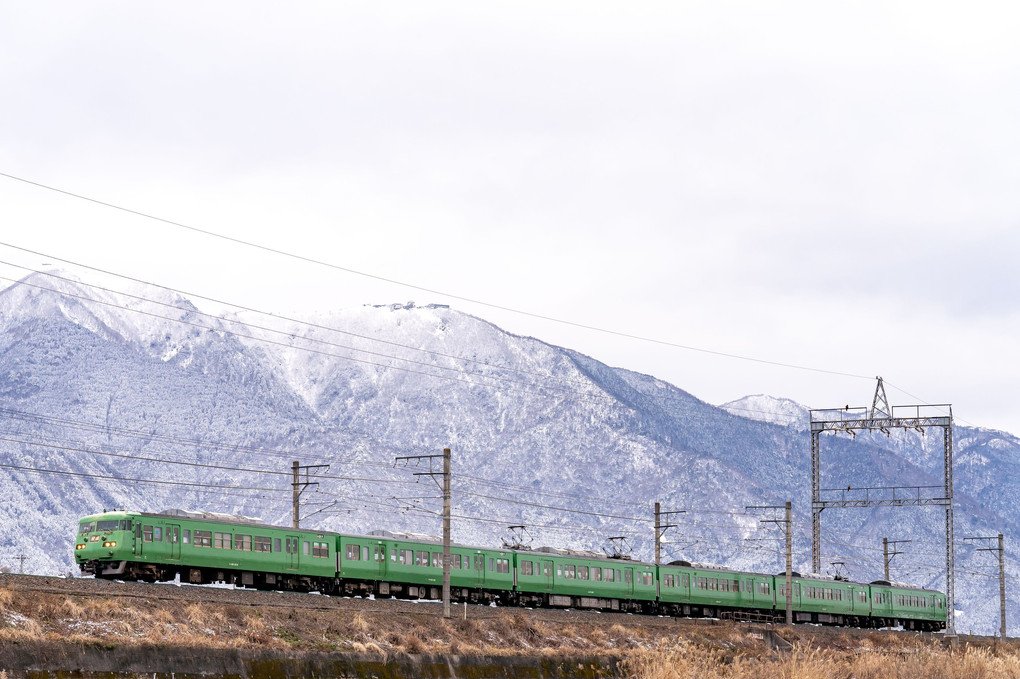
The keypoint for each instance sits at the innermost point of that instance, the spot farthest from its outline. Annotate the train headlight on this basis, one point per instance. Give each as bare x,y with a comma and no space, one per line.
110,544
79,546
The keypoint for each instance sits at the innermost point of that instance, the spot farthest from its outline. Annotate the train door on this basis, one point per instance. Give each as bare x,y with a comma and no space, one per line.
380,561
293,552
479,570
547,575
138,538
173,536
628,580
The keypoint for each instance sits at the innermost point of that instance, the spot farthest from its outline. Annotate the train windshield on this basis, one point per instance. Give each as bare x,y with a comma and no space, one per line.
86,527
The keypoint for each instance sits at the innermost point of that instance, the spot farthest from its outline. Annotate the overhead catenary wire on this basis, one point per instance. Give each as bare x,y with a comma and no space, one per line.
337,267
264,340
302,322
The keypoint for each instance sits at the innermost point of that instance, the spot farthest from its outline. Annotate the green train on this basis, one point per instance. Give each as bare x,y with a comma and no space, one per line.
204,548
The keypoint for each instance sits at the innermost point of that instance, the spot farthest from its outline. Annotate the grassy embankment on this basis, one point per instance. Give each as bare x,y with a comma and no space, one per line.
687,651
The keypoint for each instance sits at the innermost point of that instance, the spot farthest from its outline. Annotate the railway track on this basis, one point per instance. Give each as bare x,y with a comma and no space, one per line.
287,601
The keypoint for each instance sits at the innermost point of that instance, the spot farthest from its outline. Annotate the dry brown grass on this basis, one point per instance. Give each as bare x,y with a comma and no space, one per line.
685,660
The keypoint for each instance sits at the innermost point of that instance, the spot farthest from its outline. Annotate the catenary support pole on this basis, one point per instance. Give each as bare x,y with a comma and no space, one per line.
789,563
296,495
446,533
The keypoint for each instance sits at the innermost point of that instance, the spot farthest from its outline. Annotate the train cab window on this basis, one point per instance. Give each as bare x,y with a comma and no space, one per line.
105,526
146,533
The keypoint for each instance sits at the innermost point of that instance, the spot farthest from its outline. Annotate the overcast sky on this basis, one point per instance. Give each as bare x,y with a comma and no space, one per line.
832,185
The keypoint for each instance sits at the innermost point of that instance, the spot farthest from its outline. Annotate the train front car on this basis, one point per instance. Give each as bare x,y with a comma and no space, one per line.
105,544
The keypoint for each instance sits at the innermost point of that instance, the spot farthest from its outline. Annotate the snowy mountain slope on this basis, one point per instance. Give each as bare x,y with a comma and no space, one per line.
362,386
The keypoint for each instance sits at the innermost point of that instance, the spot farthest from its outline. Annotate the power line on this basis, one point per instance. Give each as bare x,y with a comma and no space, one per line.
105,477
281,317
196,464
337,267
300,348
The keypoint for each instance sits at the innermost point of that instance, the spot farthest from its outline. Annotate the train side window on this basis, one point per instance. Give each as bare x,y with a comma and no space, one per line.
147,533
242,542
596,573
276,544
582,572
628,576
526,568
610,575
157,534
456,561
685,581
186,536
437,560
492,568
479,562
305,548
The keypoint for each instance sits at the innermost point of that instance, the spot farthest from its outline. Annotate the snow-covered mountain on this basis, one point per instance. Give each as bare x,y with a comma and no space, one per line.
101,393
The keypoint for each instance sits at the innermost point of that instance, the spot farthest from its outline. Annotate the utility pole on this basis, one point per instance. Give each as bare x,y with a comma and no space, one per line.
887,556
787,524
22,558
661,528
445,487
1002,577
298,486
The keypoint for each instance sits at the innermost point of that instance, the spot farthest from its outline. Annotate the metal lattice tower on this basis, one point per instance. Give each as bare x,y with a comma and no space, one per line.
883,418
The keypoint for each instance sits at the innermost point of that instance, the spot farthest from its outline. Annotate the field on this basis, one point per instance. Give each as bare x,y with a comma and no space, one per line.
89,614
